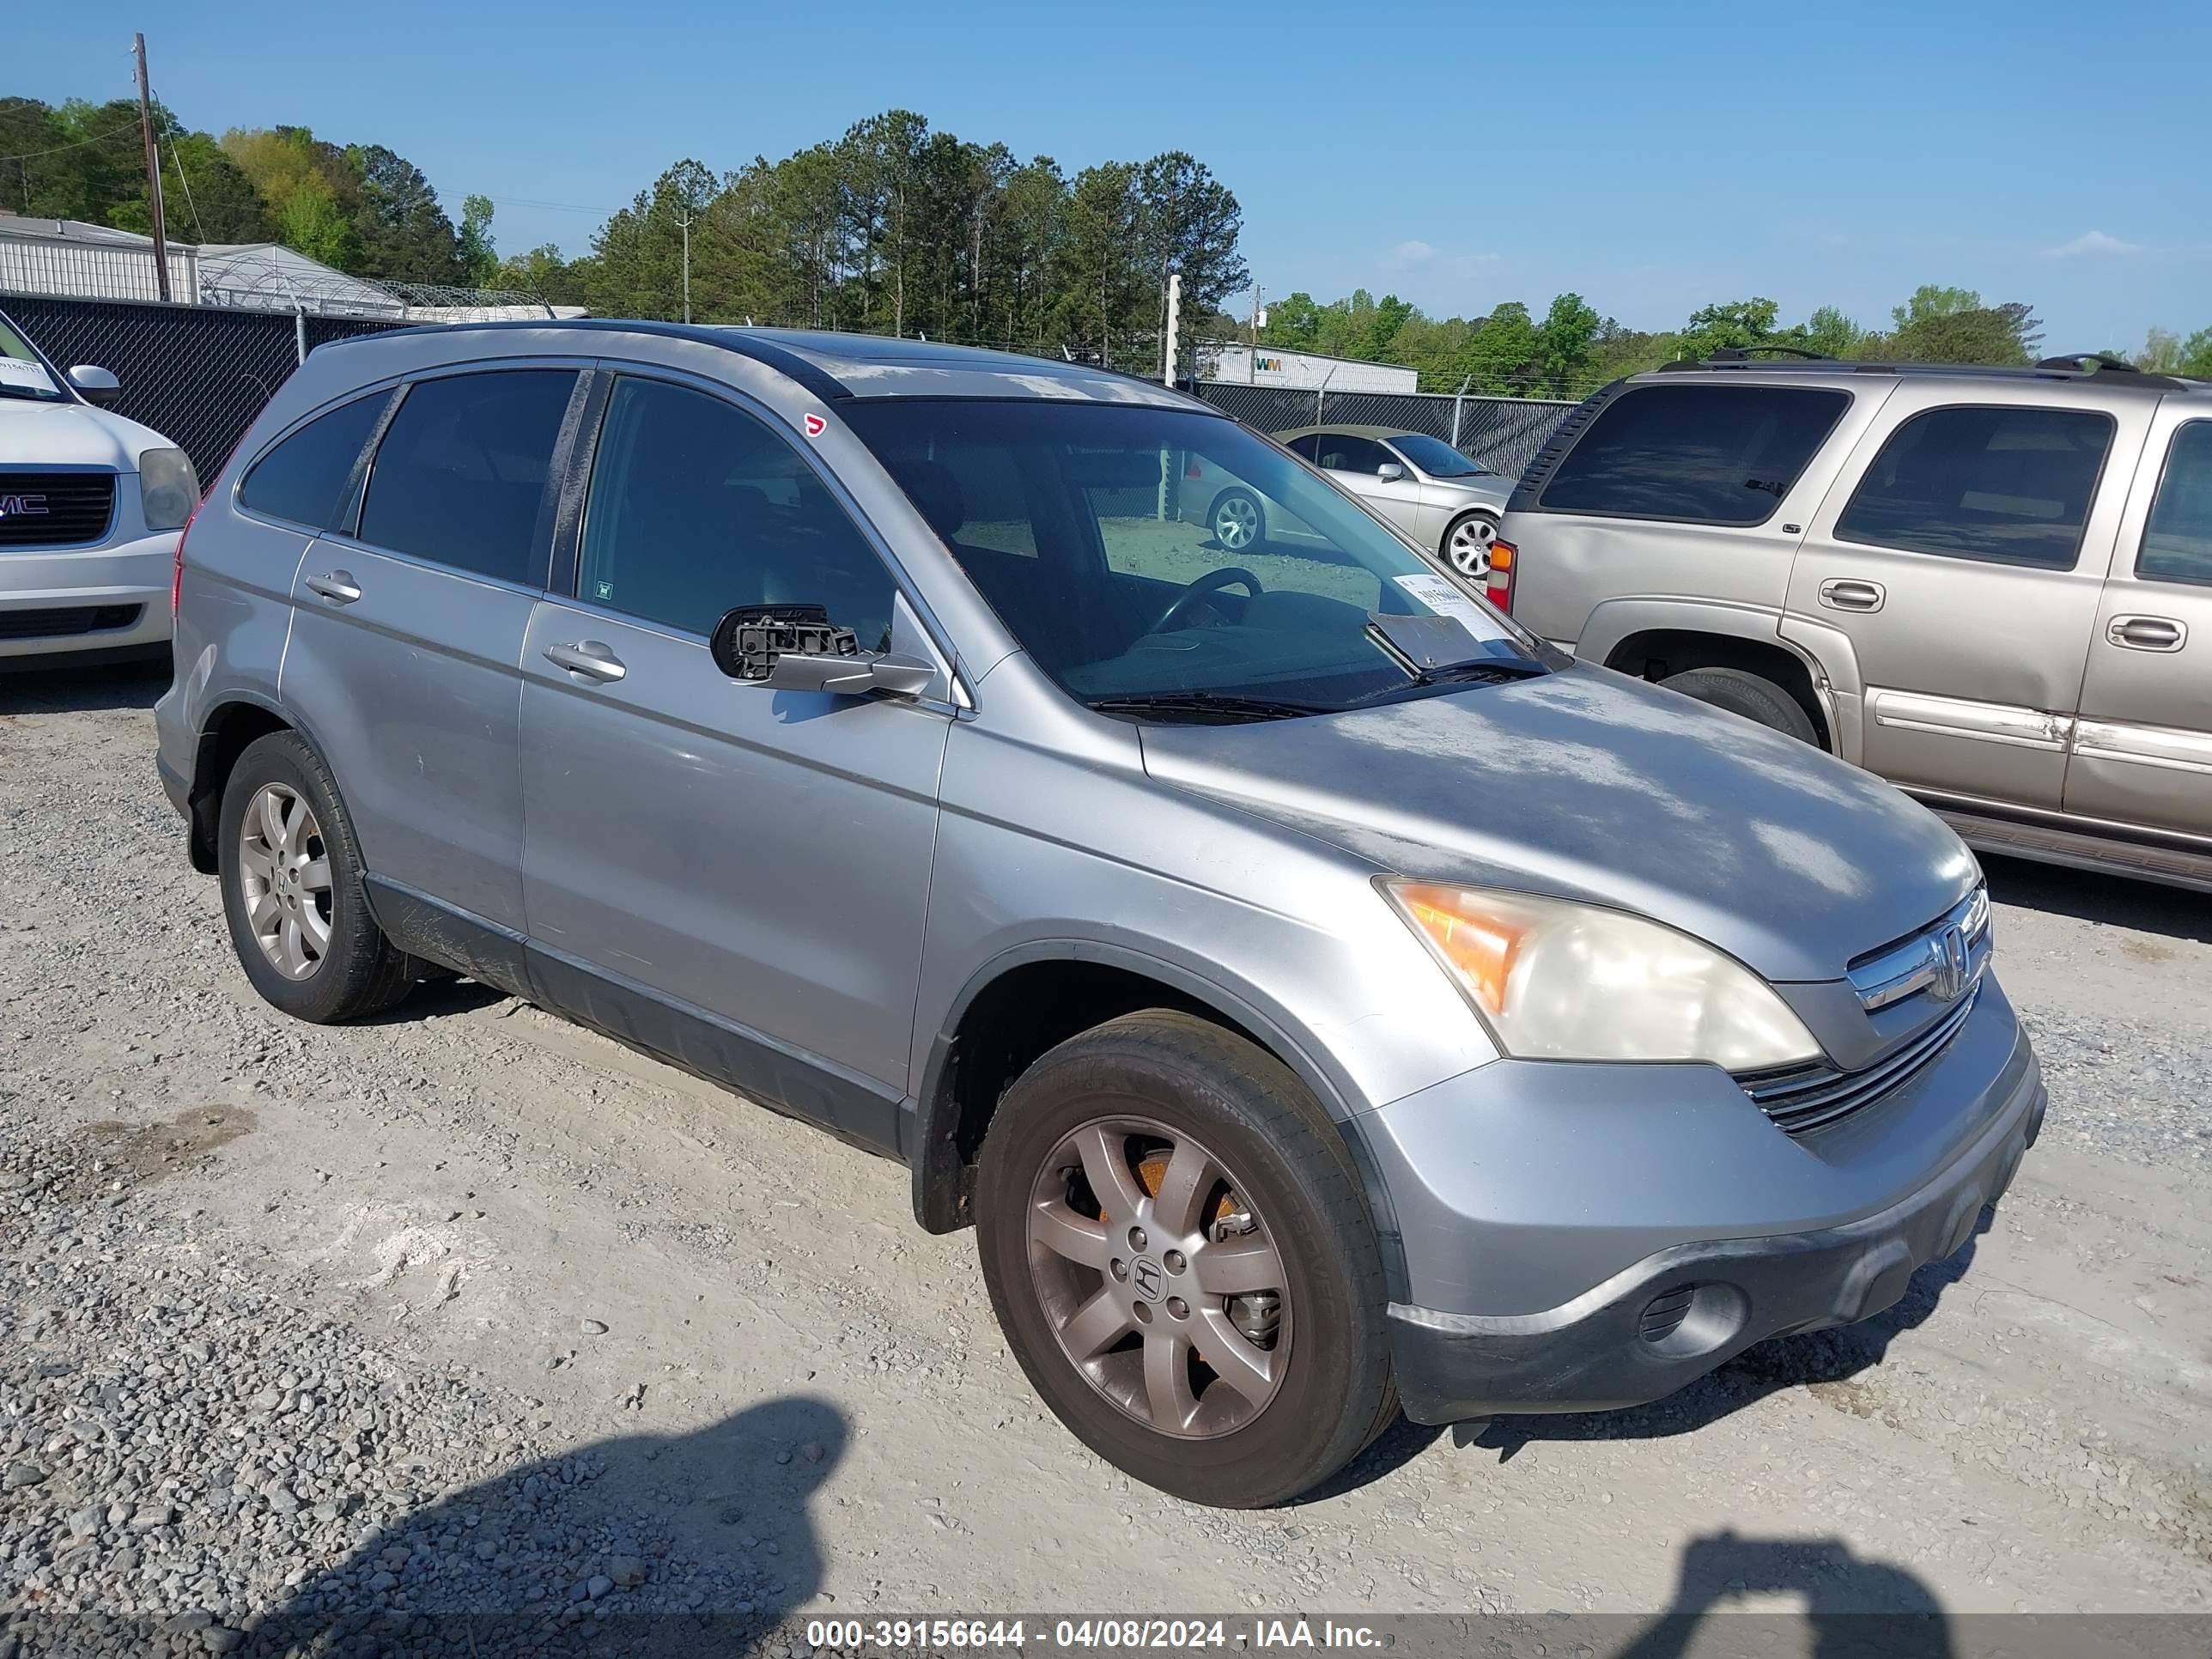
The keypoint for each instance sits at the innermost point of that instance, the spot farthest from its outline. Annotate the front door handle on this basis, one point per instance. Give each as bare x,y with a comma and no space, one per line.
337,587
2147,632
1849,593
588,658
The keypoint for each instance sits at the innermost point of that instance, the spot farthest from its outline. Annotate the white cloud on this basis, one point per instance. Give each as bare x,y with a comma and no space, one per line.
1410,254
2091,241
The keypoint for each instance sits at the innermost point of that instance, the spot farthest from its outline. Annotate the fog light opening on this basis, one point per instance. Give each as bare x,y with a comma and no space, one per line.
1685,1321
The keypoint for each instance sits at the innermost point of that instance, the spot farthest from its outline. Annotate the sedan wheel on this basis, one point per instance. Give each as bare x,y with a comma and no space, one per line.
1467,544
1163,1286
284,877
1237,521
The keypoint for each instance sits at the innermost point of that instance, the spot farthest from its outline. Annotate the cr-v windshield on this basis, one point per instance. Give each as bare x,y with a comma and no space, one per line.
21,373
1145,557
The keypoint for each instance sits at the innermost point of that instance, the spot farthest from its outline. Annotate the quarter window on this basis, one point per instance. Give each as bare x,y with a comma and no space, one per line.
302,477
460,477
697,507
1341,452
1695,455
2177,544
2005,483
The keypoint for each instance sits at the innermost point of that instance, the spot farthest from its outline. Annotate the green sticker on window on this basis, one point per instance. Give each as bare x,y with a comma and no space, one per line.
603,590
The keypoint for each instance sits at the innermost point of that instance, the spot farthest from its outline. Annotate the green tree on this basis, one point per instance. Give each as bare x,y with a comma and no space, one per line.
2002,336
475,255
1832,334
2197,356
1930,302
1734,324
1503,356
400,231
1189,223
1106,273
1564,344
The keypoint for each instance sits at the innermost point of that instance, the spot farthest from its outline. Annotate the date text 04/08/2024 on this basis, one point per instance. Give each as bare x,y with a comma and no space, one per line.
1106,1635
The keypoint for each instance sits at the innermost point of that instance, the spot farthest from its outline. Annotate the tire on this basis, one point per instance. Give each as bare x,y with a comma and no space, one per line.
1749,696
342,967
1237,520
1280,1203
1466,546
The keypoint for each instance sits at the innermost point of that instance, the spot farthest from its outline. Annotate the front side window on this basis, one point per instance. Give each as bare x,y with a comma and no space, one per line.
1165,553
2177,543
697,507
1695,455
1436,458
460,476
2005,483
303,477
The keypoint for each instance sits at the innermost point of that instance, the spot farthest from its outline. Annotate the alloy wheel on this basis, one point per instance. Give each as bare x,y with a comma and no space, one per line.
1468,547
1237,523
284,876
1160,1280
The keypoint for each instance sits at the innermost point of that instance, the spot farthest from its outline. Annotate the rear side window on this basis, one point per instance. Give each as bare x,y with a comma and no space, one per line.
460,476
2007,484
1695,455
302,478
2177,544
1342,451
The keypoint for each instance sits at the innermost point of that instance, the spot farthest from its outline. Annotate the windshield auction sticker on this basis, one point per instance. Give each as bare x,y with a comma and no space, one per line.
19,371
1441,597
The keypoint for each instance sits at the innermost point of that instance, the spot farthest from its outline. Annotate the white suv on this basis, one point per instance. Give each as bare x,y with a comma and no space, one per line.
86,558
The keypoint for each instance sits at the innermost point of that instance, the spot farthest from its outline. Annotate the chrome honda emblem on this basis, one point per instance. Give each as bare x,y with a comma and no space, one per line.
1145,1275
1950,965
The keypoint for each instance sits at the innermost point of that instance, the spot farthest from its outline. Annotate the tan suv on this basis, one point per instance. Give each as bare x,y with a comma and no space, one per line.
1992,587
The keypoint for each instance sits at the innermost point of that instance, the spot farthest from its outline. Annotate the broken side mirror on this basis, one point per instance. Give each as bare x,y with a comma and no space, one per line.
796,647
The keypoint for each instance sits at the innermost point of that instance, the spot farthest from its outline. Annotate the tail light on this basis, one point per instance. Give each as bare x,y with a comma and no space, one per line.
1191,471
1500,591
177,574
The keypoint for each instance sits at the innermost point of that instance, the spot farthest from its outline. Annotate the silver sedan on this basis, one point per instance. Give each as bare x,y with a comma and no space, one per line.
1444,502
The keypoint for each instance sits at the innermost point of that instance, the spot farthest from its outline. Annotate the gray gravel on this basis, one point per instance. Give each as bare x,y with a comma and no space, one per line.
2127,1088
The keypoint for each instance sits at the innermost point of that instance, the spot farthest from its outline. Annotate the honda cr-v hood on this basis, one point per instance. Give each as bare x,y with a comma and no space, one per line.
1588,784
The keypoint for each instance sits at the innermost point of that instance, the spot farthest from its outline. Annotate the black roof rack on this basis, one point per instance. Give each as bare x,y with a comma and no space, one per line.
1742,354
2123,376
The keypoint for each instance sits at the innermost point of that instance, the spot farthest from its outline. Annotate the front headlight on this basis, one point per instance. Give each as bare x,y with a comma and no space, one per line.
168,489
1558,980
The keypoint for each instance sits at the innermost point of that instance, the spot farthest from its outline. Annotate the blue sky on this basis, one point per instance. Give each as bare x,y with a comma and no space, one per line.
1651,157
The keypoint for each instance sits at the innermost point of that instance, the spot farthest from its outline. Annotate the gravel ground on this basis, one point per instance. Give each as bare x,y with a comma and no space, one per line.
466,1331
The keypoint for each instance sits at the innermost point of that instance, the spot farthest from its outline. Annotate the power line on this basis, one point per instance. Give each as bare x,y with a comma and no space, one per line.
78,144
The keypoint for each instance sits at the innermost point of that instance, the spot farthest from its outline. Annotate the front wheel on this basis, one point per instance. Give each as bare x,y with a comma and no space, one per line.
1467,544
1180,1256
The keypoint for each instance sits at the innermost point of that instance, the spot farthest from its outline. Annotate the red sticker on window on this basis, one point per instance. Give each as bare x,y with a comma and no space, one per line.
814,425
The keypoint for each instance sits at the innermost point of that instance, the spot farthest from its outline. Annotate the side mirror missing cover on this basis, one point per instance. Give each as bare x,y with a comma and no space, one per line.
95,385
795,648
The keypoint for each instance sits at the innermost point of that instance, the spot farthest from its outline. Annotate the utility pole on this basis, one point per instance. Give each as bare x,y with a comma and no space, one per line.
686,222
1169,354
152,171
1251,357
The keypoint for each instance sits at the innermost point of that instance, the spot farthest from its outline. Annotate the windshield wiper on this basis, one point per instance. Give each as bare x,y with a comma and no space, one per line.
1221,707
30,392
1488,670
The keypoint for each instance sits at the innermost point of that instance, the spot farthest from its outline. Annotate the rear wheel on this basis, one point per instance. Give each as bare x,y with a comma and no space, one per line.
1237,520
292,889
1748,695
1467,544
1180,1256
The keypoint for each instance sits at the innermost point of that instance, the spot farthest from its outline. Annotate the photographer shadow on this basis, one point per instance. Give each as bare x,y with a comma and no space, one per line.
1853,1607
642,1545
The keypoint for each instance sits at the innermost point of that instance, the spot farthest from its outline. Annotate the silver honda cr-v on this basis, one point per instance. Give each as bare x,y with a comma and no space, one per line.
1319,994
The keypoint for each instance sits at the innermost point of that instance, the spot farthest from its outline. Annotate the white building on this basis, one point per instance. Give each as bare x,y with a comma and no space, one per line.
75,260
1302,371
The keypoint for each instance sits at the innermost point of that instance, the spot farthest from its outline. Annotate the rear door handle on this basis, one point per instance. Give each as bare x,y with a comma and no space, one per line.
1849,593
337,587
2147,632
588,658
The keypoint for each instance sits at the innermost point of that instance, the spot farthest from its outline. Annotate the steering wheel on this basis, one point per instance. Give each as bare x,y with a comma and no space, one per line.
1212,581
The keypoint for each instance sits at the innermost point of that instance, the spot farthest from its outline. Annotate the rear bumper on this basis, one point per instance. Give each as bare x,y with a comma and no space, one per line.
88,593
1655,1319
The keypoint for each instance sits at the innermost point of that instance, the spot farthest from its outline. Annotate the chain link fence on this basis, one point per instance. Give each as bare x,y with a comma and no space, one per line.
198,374
1503,434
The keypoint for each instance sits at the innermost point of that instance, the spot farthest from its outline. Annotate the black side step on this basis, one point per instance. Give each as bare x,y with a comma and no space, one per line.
2079,851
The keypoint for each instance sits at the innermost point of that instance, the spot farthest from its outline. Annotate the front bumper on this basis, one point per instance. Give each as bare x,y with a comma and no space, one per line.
111,601
1660,1321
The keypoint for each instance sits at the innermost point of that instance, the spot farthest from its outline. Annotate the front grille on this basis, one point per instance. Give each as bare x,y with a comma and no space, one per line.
62,622
55,509
1809,1097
